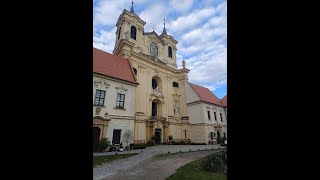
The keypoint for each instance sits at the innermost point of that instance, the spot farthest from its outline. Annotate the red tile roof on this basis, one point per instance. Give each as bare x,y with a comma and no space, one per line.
224,100
111,65
205,94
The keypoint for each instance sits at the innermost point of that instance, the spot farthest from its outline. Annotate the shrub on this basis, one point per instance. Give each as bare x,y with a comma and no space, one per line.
103,143
223,155
170,137
139,146
150,143
197,143
216,162
178,143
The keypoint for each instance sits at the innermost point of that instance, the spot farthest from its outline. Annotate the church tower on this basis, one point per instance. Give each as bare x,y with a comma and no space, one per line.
160,104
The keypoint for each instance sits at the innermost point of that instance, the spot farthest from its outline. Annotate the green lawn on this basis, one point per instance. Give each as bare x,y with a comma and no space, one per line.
98,160
192,171
175,153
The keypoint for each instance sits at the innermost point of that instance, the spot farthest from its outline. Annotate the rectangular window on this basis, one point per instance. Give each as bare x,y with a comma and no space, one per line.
120,101
211,135
215,116
99,98
221,117
209,115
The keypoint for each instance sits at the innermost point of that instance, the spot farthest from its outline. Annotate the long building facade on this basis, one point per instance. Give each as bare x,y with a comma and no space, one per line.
161,90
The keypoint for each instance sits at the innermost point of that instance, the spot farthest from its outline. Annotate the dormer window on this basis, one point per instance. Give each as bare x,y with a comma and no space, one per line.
133,32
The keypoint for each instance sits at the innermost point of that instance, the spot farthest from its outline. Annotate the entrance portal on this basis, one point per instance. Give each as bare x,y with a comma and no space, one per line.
116,136
96,137
157,134
218,137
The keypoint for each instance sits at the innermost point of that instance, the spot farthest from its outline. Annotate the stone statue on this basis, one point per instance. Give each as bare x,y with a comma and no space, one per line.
183,64
127,35
157,93
176,110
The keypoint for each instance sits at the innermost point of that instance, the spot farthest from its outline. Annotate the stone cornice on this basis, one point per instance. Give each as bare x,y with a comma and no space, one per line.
154,63
131,15
115,79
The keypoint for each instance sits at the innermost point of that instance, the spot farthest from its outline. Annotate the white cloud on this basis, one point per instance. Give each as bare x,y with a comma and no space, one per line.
106,12
200,28
222,8
153,16
180,6
192,19
209,69
105,40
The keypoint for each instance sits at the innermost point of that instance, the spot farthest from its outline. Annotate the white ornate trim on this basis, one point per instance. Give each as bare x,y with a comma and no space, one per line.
102,83
176,96
121,89
157,93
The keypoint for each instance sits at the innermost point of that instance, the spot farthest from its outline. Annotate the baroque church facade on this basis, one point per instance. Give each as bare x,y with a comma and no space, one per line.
161,97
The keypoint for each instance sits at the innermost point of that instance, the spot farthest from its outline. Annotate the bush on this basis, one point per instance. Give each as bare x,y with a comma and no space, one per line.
103,143
139,146
150,143
197,143
223,155
170,137
216,162
178,143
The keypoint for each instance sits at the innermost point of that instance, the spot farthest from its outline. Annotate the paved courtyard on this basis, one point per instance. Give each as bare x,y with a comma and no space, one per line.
108,170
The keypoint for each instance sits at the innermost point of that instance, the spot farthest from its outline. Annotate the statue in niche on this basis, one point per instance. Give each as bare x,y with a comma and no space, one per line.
157,93
176,110
127,35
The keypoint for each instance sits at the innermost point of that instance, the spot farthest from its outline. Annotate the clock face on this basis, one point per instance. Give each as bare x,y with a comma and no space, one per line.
154,49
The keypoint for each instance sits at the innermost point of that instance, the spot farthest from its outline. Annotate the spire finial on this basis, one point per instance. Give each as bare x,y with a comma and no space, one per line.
164,27
132,10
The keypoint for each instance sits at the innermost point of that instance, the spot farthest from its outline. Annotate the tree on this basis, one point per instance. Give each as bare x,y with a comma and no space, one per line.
127,136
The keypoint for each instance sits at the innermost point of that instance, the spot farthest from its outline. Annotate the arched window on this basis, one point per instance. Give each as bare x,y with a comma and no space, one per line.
170,51
135,71
133,32
154,83
119,32
175,84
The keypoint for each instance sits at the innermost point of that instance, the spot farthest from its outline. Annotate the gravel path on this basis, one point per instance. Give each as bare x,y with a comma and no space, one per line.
158,168
108,169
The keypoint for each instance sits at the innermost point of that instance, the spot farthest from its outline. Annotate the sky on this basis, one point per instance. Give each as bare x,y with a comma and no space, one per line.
199,26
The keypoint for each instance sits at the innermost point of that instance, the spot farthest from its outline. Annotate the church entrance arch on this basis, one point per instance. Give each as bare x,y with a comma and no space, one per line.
96,138
157,134
218,137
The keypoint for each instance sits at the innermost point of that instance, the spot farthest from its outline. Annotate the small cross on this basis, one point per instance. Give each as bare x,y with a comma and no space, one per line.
164,22
185,133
